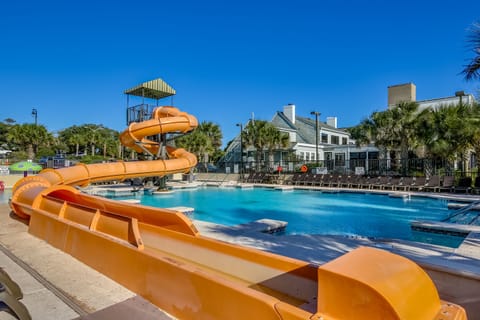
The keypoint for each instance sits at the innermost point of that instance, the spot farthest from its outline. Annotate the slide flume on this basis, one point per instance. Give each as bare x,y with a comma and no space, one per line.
160,255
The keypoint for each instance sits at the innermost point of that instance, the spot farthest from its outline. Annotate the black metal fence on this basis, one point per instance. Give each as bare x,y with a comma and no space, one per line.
388,167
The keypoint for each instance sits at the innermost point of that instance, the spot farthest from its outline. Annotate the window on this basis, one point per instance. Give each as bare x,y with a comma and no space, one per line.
324,138
344,140
335,140
308,156
302,156
358,155
339,159
373,155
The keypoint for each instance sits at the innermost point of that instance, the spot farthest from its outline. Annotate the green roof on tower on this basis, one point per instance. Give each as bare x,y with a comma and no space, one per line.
154,89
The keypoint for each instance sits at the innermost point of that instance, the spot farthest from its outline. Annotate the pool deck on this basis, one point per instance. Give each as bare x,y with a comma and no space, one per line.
57,286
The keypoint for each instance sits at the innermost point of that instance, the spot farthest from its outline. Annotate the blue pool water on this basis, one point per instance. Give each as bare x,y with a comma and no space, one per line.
313,212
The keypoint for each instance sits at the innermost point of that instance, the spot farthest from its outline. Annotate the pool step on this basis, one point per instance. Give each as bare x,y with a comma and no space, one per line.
399,195
444,227
245,186
455,206
284,188
185,210
262,225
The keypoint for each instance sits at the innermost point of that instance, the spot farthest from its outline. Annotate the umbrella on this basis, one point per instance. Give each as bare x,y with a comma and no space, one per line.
25,166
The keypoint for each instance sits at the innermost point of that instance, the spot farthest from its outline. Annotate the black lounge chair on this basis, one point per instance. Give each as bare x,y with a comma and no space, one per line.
392,183
301,179
448,183
432,184
294,178
335,181
327,180
464,185
344,181
367,182
317,181
405,184
357,181
418,184
380,182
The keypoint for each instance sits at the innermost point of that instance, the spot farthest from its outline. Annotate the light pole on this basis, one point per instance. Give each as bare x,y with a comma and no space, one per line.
241,150
34,114
317,114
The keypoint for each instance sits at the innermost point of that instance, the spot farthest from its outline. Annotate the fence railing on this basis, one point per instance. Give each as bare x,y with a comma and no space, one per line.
407,167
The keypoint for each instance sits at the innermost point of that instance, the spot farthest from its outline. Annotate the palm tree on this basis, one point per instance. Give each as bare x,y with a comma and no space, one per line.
449,131
263,135
472,126
472,70
197,143
29,137
362,133
393,129
205,141
213,132
275,139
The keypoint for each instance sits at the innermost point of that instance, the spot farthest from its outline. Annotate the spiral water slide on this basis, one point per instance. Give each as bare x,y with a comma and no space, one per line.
159,254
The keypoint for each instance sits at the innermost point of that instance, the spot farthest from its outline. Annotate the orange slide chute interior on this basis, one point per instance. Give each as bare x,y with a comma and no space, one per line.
159,254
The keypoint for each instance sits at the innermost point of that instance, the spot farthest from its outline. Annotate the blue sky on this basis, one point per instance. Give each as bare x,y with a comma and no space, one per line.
72,60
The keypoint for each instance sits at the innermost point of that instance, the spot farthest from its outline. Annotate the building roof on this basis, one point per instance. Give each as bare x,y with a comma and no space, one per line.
304,127
153,89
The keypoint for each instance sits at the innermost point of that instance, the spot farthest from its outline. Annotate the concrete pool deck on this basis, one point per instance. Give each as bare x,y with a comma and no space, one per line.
57,286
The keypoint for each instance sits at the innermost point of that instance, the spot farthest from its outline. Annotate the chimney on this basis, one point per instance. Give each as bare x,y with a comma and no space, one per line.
289,112
401,93
332,121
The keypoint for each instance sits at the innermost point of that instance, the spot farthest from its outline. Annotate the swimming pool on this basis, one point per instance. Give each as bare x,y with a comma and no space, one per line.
313,212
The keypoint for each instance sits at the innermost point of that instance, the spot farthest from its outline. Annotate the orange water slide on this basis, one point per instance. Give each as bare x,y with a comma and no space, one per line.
159,254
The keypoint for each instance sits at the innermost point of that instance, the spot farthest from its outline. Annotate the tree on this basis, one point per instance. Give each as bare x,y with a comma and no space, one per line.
275,139
263,135
448,131
204,142
393,129
197,143
472,126
29,137
362,133
213,132
472,70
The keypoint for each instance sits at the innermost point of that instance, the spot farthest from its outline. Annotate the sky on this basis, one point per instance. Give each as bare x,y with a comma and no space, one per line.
227,60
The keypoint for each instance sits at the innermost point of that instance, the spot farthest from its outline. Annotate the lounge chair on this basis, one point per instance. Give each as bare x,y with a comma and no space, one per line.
418,184
447,184
344,181
335,181
294,178
326,181
432,184
318,180
357,181
405,184
392,183
301,179
464,185
380,182
367,182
